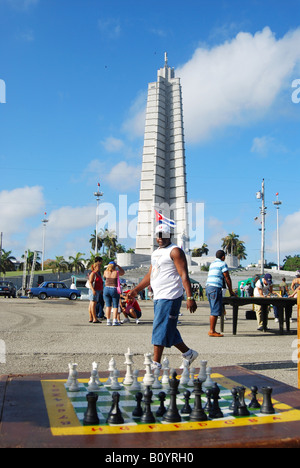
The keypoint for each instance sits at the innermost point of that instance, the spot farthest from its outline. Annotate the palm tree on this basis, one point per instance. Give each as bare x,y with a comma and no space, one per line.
30,257
59,265
230,243
241,250
76,263
6,261
93,241
109,238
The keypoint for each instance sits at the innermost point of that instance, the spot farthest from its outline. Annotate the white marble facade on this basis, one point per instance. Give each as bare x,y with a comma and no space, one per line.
163,179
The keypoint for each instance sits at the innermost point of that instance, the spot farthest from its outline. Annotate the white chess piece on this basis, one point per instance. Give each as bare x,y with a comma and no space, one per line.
165,368
202,373
69,381
192,377
208,382
115,385
111,368
95,368
148,377
136,384
93,385
74,387
185,376
156,383
129,363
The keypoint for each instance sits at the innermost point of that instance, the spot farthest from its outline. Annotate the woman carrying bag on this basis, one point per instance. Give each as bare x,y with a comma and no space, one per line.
112,291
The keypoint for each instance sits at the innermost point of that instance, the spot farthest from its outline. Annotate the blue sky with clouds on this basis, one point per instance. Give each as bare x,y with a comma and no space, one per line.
76,74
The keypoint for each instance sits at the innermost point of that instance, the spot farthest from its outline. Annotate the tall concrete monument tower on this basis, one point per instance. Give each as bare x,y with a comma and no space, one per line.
163,180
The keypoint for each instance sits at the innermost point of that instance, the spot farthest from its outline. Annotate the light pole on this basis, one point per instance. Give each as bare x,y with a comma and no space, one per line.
277,203
98,195
261,195
44,221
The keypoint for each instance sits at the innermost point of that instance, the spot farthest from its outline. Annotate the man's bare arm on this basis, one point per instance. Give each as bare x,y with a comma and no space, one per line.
180,263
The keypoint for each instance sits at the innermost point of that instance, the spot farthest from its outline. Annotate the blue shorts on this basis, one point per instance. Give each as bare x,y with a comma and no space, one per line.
111,297
96,297
166,314
215,299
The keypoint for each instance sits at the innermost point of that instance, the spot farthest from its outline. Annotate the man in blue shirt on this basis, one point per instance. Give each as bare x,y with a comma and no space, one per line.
218,277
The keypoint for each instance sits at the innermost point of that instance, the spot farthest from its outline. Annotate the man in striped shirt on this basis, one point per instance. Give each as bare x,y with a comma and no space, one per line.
218,277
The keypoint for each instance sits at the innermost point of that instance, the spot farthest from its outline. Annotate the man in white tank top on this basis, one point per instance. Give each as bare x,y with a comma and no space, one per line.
168,276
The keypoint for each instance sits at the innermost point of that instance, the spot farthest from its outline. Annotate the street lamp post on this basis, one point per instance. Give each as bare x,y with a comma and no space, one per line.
98,195
277,203
44,221
261,195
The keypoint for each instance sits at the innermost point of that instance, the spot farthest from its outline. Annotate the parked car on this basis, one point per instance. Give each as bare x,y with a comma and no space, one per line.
54,289
7,289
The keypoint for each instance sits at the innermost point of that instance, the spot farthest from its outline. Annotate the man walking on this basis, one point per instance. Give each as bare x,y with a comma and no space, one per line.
168,276
218,277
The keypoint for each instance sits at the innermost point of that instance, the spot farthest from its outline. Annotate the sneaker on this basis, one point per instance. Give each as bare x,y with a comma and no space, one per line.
191,358
116,324
126,320
108,323
137,321
155,365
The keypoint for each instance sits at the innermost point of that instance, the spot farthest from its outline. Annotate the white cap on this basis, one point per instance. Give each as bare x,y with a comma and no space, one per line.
162,228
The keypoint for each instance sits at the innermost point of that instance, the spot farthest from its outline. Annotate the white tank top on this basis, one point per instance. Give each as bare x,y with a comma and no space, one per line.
166,283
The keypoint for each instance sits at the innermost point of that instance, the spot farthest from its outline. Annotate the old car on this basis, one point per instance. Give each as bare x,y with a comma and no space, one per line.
7,289
54,289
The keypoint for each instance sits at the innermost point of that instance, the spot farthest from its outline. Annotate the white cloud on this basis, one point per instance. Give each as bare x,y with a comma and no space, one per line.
232,83
110,28
134,125
289,235
61,223
124,177
112,145
17,206
266,145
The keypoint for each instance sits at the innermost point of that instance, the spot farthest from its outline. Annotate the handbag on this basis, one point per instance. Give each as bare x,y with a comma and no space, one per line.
119,288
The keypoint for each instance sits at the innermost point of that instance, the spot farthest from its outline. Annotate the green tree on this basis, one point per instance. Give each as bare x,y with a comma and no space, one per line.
77,263
30,258
291,263
93,241
59,265
6,261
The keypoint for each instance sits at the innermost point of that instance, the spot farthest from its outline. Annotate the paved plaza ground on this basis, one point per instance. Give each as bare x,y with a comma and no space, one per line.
44,336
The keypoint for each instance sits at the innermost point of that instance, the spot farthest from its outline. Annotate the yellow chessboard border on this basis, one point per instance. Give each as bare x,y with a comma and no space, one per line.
64,421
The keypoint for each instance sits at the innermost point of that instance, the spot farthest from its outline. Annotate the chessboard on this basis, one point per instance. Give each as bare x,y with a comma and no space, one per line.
67,408
38,410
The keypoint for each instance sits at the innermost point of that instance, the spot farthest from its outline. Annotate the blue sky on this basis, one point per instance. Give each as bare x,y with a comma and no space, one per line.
76,74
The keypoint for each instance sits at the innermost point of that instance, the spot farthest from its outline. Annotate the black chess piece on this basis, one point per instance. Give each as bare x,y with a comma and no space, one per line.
115,415
207,406
172,414
147,416
235,402
162,409
242,407
215,412
267,406
91,416
186,409
138,410
198,413
254,402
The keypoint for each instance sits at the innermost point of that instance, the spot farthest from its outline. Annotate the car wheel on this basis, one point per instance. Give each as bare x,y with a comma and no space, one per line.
73,297
42,296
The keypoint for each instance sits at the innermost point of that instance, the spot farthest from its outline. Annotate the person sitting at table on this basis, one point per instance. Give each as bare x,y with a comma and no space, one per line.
263,288
295,286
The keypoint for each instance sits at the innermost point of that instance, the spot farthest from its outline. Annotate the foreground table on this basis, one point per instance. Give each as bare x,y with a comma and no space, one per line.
25,421
284,306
